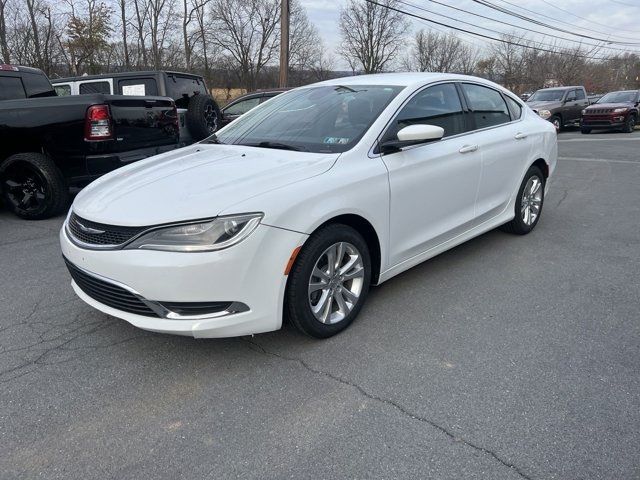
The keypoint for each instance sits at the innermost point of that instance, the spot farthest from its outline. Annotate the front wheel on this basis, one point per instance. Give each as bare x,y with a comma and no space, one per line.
329,281
585,131
528,205
557,122
630,124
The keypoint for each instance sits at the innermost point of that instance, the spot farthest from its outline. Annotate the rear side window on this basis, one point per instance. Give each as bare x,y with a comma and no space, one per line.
95,87
242,107
11,88
62,90
438,105
516,109
37,85
138,87
487,106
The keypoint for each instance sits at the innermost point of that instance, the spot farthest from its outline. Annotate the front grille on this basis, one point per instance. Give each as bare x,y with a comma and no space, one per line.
598,111
98,234
196,308
109,294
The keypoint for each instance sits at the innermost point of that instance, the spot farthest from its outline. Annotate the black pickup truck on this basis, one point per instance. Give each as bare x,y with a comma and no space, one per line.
50,143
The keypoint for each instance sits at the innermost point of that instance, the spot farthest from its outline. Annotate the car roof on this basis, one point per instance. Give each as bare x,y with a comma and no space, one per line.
563,88
400,79
121,74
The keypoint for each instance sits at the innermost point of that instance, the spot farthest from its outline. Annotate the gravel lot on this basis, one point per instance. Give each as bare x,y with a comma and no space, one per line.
505,358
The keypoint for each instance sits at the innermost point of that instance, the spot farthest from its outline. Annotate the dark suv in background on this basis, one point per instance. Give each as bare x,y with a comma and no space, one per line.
198,113
562,106
614,111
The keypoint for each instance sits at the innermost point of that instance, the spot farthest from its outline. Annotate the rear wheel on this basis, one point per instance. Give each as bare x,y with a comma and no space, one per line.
630,124
528,205
32,186
329,281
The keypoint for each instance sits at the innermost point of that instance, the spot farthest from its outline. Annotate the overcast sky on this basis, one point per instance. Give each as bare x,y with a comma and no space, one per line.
619,19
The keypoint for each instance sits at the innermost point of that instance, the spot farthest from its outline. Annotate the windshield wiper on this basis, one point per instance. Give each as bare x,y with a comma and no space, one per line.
277,145
212,139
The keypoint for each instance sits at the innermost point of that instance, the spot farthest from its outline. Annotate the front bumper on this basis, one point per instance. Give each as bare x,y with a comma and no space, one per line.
602,121
250,273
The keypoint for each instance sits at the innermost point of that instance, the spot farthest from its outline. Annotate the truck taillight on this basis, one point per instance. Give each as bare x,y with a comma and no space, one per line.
97,124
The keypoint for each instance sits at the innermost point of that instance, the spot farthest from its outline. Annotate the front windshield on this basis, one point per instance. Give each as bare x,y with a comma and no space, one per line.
322,119
618,97
546,96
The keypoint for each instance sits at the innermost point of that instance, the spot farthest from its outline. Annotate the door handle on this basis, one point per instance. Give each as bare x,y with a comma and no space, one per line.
468,148
520,136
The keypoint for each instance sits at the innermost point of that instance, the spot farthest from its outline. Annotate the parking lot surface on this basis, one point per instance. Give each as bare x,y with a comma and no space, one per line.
507,357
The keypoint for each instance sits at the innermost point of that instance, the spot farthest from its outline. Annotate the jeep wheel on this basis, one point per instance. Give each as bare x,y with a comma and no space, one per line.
203,116
630,124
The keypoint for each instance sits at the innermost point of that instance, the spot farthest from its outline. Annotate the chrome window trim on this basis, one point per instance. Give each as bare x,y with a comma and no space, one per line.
371,153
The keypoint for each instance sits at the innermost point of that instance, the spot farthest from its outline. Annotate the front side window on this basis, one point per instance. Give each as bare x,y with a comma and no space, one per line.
322,119
571,96
95,87
580,94
486,105
242,107
11,88
438,105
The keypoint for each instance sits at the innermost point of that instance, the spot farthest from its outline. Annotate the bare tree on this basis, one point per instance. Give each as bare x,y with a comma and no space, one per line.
123,20
4,47
247,32
372,34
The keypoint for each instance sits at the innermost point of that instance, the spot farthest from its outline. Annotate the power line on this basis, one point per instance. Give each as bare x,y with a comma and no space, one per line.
504,10
505,23
586,19
509,42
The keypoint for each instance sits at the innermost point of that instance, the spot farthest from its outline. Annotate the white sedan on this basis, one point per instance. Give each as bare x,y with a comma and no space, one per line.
295,209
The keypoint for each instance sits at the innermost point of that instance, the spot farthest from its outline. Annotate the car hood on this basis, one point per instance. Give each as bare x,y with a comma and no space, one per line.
195,182
609,105
544,105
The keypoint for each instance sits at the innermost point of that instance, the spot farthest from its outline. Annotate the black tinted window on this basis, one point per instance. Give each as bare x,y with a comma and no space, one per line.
580,94
181,89
138,87
11,88
95,87
486,105
516,109
37,85
438,105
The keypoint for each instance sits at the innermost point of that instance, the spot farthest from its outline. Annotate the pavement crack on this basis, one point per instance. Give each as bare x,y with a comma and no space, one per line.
563,198
256,347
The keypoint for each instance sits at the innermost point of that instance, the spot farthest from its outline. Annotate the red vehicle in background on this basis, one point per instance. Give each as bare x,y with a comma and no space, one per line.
614,111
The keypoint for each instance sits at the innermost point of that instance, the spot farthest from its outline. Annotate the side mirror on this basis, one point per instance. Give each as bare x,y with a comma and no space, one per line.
413,135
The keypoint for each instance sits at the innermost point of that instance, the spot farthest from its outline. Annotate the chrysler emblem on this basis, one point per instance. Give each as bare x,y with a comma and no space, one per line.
92,231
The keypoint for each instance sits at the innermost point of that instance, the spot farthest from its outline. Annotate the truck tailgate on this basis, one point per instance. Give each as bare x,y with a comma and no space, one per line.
141,122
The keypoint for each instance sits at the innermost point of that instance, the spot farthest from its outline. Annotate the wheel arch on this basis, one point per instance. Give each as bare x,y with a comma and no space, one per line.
542,165
368,232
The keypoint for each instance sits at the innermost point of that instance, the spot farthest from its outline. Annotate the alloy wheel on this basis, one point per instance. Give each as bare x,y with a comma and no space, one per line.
25,188
531,200
211,119
336,283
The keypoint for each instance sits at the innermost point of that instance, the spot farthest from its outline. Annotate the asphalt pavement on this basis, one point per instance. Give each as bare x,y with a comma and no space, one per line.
505,358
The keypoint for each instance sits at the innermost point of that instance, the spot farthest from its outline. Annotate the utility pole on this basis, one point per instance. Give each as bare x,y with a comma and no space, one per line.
284,43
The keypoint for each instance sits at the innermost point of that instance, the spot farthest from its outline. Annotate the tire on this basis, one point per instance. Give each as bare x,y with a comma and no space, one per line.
299,301
630,124
585,130
557,122
520,225
32,186
202,117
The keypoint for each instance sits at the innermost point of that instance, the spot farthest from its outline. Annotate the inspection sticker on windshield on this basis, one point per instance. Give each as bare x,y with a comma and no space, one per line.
338,140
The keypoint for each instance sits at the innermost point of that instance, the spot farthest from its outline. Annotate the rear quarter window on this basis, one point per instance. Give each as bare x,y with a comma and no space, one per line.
95,87
62,90
138,86
514,107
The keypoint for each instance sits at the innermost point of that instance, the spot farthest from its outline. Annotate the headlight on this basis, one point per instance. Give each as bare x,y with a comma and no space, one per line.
544,113
584,112
216,234
620,110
